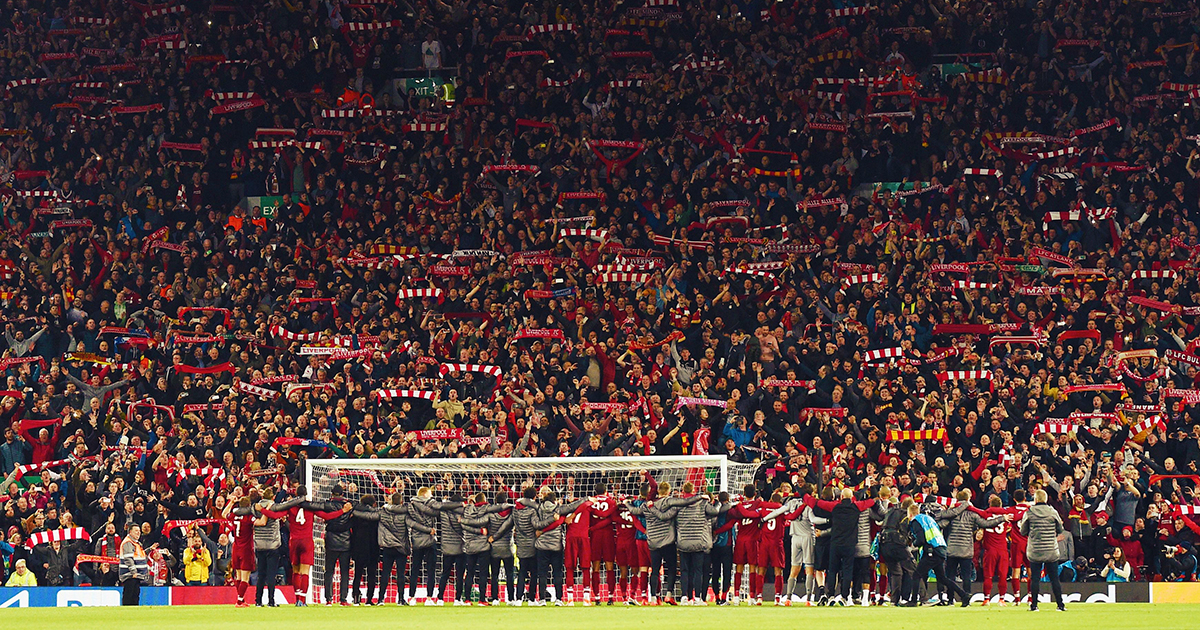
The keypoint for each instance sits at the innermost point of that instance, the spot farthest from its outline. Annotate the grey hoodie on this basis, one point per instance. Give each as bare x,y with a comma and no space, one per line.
1042,525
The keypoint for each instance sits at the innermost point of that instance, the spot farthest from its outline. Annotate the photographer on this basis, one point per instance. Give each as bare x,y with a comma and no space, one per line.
1116,567
196,561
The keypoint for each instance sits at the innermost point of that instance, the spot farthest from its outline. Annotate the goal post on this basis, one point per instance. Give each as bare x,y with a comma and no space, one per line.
567,476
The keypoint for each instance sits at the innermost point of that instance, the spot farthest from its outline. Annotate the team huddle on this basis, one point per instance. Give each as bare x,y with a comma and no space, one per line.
542,548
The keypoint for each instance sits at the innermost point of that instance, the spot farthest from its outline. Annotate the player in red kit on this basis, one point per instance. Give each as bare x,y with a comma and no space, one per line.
770,547
633,549
745,546
577,552
300,514
604,540
242,561
995,550
1016,550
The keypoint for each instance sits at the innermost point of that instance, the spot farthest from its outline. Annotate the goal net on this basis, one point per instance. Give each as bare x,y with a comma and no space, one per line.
568,477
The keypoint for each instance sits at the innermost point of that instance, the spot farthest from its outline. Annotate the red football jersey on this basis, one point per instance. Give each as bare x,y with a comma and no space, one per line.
626,529
772,531
1015,532
243,534
748,520
995,539
602,509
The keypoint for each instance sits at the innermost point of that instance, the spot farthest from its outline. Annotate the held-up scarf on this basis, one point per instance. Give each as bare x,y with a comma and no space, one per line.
1055,428
896,435
388,394
57,535
170,526
435,434
683,401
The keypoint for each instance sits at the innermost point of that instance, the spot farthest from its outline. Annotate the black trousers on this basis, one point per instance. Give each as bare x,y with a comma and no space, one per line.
663,558
964,569
332,558
549,562
691,573
862,574
900,577
366,561
934,560
510,584
131,593
1035,581
527,578
477,574
268,568
427,557
721,560
392,556
840,571
456,563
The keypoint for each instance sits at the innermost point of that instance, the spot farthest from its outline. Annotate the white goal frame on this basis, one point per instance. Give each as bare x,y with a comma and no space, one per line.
544,463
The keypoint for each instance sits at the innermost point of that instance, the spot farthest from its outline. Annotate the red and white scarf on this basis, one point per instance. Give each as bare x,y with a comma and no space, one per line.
57,535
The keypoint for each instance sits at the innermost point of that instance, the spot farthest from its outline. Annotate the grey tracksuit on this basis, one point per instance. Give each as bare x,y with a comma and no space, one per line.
962,524
693,525
1042,525
421,523
474,523
660,527
524,531
500,528
547,512
393,528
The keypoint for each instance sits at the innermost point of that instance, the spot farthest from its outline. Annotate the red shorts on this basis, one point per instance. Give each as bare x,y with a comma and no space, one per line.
745,552
300,551
627,553
1016,555
641,554
604,547
242,560
770,554
995,563
578,552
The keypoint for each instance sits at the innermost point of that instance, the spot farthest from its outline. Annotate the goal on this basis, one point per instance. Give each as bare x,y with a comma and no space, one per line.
569,477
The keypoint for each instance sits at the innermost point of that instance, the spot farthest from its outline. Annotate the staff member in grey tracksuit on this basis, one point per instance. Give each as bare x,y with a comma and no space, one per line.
500,541
448,514
693,531
660,533
551,538
393,544
1042,525
422,530
477,544
524,536
267,541
963,522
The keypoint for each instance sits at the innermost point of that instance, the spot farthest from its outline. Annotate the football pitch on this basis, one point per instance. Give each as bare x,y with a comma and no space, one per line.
1082,616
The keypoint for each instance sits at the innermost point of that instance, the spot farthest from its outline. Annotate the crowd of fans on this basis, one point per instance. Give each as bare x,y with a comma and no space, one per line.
235,237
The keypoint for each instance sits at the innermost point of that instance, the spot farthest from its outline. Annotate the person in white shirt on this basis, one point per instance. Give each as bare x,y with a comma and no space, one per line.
431,52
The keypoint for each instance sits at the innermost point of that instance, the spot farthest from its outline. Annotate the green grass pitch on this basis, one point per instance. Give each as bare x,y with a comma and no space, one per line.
1082,616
